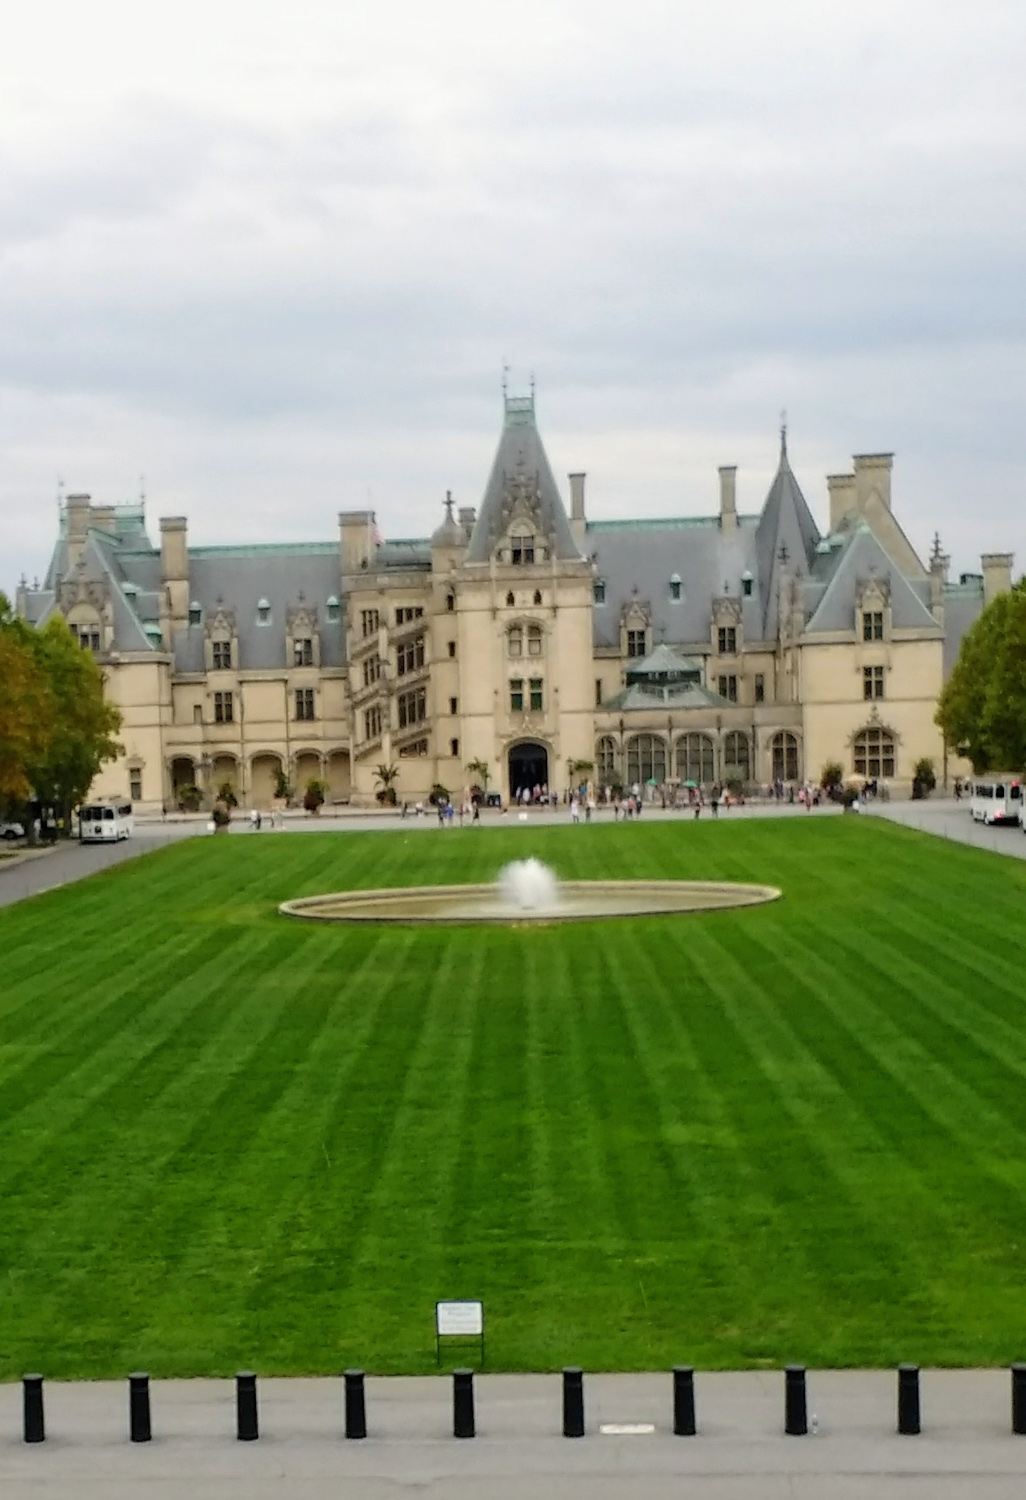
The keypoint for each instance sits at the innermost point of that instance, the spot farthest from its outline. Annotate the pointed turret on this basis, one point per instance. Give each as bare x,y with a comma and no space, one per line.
521,488
786,536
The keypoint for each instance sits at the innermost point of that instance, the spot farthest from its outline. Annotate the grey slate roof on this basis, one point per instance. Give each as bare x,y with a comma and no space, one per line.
785,539
963,605
238,578
520,455
863,557
636,560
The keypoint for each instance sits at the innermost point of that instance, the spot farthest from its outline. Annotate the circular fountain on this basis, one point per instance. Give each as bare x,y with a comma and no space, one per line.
527,891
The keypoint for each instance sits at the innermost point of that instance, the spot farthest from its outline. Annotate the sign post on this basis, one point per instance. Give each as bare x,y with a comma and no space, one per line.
459,1320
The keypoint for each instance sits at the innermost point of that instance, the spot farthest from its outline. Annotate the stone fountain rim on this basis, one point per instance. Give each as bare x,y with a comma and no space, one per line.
745,893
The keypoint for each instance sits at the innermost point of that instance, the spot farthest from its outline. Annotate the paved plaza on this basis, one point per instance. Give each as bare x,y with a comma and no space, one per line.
965,1448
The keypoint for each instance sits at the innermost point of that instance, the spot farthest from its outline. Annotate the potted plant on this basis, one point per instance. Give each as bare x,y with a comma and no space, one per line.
924,779
313,797
385,778
221,815
189,798
226,794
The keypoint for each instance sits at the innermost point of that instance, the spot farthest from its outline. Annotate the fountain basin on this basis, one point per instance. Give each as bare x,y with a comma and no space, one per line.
576,901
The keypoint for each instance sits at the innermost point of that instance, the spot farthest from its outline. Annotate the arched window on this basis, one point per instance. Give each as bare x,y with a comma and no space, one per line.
736,756
695,760
675,588
537,596
873,754
510,601
534,640
515,640
605,761
784,749
646,758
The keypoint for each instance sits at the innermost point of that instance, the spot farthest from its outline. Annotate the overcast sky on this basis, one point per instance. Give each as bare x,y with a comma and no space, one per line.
273,258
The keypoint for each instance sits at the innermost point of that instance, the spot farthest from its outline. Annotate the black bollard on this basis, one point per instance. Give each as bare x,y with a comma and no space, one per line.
463,1403
1019,1398
139,1408
247,1426
573,1401
356,1406
683,1401
796,1420
908,1400
34,1425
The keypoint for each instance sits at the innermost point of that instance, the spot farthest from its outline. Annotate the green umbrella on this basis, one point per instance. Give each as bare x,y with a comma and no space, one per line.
692,784
651,781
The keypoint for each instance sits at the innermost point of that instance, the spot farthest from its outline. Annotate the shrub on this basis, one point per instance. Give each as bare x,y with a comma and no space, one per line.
226,794
221,814
439,794
831,776
282,789
313,797
924,778
189,798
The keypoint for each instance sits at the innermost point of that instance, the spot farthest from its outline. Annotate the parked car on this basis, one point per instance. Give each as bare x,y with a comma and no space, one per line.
11,831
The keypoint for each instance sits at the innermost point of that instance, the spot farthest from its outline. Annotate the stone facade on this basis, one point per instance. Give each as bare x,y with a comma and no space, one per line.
521,637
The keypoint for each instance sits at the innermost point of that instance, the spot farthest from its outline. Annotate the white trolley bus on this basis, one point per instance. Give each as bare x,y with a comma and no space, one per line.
997,799
105,822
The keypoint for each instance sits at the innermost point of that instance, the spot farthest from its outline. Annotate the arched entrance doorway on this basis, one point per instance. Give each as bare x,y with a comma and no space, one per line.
528,767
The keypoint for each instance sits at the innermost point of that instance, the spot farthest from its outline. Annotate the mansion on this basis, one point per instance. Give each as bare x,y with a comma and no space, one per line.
523,638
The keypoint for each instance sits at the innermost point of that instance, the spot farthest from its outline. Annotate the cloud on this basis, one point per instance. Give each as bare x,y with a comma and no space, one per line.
264,262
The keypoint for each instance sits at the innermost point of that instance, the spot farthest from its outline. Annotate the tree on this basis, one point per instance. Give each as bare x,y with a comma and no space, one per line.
84,724
982,709
482,771
385,778
26,710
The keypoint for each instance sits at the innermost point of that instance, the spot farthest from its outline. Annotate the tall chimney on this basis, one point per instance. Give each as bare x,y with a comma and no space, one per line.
728,497
174,565
356,539
841,489
872,472
77,516
578,520
997,574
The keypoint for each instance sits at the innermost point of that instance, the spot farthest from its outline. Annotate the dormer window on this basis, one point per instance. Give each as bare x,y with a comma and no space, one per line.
195,614
746,584
521,550
334,609
675,588
263,612
598,591
221,655
302,653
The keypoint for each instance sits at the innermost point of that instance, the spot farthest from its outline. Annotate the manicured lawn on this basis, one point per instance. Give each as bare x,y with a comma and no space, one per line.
796,1132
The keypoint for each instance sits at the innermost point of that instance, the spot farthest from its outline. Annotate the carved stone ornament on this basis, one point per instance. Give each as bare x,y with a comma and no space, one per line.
221,622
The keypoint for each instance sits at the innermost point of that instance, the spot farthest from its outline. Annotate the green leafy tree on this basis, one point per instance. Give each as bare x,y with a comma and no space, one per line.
26,711
84,725
481,771
832,775
385,778
982,709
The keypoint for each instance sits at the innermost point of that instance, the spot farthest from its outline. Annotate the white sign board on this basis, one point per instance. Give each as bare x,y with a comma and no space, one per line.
459,1318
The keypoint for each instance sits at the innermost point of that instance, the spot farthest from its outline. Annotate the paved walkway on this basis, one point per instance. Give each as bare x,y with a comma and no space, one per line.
948,819
966,1448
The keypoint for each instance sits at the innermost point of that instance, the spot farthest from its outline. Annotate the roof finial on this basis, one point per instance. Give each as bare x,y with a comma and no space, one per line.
532,385
936,547
448,505
505,380
783,436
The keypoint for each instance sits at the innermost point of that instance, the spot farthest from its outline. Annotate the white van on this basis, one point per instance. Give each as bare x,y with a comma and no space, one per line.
997,799
105,822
